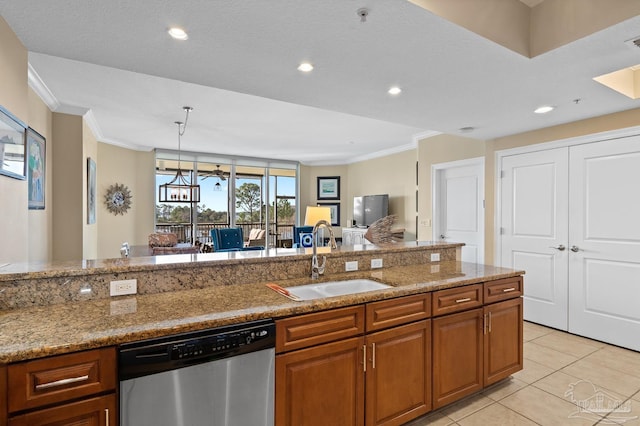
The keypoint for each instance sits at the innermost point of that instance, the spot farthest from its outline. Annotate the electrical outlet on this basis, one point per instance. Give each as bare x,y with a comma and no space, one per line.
376,263
351,266
123,287
435,257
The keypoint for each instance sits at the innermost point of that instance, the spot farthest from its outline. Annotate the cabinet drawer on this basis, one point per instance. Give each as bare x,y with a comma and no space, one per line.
94,411
508,288
402,310
456,299
60,378
321,327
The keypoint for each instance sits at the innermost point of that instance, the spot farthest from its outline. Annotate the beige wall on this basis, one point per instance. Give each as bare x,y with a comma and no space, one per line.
40,221
136,170
69,175
395,175
13,192
309,194
434,150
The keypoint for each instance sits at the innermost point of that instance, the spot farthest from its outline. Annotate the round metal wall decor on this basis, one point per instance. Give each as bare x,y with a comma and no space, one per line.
118,199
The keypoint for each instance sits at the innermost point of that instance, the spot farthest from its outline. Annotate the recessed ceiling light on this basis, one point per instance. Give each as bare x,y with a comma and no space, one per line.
178,33
543,109
395,90
305,67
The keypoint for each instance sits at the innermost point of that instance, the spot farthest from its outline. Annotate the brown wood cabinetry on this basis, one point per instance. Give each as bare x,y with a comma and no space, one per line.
76,388
398,376
325,383
457,356
474,348
502,340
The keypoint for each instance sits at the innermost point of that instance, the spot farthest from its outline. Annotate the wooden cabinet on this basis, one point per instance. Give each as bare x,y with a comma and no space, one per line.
502,340
76,388
457,356
473,348
100,411
398,374
380,378
321,385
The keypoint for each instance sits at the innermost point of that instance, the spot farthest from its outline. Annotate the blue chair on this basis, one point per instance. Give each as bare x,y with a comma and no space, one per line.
297,230
229,239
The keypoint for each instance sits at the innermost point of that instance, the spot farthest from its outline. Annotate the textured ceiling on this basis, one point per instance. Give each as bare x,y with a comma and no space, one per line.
238,70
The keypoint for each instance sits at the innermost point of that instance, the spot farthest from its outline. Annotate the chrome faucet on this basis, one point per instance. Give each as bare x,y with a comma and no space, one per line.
317,270
124,250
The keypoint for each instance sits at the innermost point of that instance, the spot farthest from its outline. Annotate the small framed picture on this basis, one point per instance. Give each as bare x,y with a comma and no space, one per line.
335,212
328,187
36,169
12,145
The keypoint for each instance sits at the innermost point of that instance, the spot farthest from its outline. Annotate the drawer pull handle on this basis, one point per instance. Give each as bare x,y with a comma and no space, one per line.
466,299
373,350
106,417
507,290
62,382
364,358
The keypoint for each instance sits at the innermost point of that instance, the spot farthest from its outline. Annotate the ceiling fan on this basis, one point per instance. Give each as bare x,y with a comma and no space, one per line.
218,173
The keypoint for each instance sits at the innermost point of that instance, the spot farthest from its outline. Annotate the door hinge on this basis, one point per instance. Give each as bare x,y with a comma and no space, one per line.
501,174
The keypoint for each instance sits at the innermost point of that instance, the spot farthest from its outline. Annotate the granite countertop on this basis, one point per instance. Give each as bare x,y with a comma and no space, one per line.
50,330
30,270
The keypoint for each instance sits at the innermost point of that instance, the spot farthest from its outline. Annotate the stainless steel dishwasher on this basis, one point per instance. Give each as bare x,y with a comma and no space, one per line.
217,377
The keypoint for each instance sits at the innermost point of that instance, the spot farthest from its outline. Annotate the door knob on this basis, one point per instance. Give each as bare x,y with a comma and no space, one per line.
575,249
559,248
442,237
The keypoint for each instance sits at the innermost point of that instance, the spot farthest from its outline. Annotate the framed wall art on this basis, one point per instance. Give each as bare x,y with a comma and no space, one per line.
36,169
91,191
328,187
12,145
335,212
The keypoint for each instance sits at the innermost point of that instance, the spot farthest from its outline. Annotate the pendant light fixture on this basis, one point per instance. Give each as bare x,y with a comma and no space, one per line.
180,189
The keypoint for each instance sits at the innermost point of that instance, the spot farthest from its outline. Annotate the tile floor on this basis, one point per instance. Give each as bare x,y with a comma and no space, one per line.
566,380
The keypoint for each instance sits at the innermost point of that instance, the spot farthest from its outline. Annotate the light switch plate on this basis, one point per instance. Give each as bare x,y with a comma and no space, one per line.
376,263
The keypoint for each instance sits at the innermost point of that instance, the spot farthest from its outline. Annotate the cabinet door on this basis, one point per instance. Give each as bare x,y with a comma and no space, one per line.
502,340
322,385
89,412
398,376
457,356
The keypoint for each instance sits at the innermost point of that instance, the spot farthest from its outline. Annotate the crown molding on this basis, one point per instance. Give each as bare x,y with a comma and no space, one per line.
41,89
425,135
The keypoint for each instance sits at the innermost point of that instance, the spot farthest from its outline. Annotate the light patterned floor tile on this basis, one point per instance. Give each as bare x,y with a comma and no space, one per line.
568,344
495,415
546,409
619,359
546,356
467,406
533,331
532,371
604,377
504,388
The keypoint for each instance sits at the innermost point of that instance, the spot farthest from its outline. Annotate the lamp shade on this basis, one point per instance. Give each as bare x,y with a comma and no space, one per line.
315,214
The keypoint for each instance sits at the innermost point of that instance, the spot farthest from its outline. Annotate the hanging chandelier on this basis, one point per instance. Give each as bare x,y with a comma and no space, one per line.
180,189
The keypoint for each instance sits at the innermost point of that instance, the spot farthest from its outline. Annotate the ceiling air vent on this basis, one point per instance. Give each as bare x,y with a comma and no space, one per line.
634,42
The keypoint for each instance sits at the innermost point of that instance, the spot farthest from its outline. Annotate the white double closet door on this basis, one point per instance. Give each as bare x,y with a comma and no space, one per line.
570,217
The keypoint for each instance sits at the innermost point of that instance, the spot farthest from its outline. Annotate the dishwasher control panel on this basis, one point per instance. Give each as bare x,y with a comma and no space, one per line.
151,356
218,344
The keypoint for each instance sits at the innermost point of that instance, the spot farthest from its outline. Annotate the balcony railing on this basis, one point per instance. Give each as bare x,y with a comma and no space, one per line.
279,234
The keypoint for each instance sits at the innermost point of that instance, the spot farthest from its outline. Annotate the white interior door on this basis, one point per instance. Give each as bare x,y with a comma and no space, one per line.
534,230
459,206
605,229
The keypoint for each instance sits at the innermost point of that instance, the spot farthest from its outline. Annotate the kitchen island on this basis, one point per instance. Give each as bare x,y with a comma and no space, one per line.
193,292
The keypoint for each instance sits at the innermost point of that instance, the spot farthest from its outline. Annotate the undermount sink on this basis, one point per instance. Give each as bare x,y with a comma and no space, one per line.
334,288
